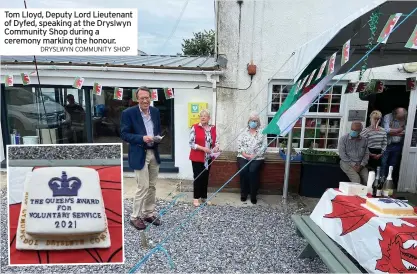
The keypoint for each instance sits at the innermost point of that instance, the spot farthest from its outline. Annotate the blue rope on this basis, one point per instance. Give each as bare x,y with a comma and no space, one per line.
146,257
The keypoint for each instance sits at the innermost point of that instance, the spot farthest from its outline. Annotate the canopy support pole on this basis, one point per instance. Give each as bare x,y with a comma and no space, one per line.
287,167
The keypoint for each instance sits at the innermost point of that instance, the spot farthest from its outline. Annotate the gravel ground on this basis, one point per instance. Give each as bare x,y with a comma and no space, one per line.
219,239
64,152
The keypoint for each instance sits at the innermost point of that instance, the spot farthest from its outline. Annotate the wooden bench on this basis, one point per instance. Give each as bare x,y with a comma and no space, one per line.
320,244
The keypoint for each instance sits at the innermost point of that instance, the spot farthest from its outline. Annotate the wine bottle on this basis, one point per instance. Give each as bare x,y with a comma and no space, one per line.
375,185
388,188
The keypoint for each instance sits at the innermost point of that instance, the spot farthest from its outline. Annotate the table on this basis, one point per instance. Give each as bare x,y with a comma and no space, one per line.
110,182
380,245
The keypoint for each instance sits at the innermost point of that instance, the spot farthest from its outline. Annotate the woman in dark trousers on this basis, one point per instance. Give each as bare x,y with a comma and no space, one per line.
251,145
203,142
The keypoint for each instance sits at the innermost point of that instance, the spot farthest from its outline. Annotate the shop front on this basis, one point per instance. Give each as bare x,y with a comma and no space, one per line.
51,111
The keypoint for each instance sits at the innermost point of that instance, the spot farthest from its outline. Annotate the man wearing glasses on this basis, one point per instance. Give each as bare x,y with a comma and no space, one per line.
139,127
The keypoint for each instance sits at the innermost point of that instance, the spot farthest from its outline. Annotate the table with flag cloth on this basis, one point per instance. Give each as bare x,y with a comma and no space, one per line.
110,182
379,244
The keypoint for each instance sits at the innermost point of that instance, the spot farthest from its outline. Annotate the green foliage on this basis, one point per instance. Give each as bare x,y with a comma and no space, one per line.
202,44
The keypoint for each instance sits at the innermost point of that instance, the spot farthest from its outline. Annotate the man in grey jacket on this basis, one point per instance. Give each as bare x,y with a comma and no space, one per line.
354,154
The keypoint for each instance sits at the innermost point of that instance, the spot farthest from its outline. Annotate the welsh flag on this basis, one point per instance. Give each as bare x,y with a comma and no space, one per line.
118,93
332,60
78,82
154,94
412,41
8,80
295,105
169,93
97,89
310,78
25,79
389,26
321,70
345,52
411,83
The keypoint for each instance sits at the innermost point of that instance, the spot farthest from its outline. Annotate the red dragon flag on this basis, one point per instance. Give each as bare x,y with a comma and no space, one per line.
345,52
8,80
118,93
351,87
379,86
303,82
412,41
389,26
323,66
169,93
411,84
154,94
25,79
331,63
78,82
361,87
97,89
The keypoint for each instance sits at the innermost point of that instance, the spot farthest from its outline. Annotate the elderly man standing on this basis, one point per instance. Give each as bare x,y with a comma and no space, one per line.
394,125
354,154
139,125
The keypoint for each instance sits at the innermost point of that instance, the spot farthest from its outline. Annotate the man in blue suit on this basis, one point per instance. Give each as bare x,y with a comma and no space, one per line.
139,126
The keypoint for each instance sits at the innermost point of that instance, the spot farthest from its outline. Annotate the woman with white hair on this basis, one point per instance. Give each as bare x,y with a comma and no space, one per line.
252,145
203,142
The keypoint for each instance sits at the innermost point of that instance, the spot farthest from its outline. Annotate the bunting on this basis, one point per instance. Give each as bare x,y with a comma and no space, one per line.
389,26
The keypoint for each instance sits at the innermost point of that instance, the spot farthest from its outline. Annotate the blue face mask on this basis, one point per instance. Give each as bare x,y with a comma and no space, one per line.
354,134
253,124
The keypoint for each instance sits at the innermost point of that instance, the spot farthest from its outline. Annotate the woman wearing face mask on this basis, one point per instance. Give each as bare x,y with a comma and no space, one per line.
251,146
203,142
377,139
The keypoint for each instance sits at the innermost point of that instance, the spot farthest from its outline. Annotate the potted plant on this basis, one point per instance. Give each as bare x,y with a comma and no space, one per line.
316,156
295,156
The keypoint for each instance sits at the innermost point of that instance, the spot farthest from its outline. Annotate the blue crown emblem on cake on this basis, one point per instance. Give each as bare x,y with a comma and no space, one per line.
64,186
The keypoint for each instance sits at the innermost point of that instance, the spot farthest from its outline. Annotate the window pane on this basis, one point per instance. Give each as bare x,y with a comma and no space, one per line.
329,102
321,133
47,116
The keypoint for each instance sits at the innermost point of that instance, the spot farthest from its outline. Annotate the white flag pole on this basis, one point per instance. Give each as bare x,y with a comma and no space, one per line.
287,167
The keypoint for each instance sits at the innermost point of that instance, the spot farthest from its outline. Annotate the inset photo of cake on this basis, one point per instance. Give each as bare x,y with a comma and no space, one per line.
65,204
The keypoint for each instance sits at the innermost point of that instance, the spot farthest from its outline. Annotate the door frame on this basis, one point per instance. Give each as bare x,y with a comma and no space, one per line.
404,182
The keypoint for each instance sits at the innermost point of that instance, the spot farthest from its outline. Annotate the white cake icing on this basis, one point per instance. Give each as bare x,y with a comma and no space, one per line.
25,241
64,202
390,206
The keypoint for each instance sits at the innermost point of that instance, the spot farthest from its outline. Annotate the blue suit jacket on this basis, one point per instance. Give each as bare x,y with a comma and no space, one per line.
132,130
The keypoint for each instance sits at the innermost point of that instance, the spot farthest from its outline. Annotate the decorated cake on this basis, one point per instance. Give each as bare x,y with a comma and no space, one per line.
62,208
389,206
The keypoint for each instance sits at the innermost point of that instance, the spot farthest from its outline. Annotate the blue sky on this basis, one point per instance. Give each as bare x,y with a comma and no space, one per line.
157,18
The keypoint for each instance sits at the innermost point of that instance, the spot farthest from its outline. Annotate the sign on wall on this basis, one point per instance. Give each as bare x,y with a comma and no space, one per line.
359,115
194,112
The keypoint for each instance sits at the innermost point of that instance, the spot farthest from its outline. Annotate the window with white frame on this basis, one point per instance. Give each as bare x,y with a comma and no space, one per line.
319,128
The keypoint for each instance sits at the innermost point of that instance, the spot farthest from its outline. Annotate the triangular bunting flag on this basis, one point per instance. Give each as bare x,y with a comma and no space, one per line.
379,86
25,79
169,93
322,68
351,87
345,52
154,94
361,87
332,60
303,82
8,80
310,78
412,41
411,84
97,89
78,82
118,93
389,26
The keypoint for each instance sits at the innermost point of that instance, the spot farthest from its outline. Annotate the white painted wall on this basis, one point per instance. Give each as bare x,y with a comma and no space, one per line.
183,83
2,152
268,32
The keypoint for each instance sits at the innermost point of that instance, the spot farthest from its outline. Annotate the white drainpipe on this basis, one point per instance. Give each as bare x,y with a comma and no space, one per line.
213,83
